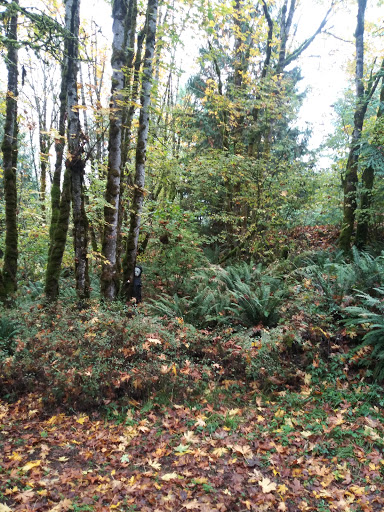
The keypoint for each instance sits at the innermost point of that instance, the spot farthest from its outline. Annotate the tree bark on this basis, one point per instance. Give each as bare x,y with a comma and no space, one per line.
367,180
351,176
8,276
109,277
59,149
75,159
138,195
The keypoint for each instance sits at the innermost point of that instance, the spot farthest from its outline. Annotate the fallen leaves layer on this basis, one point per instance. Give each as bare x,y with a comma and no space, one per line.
262,456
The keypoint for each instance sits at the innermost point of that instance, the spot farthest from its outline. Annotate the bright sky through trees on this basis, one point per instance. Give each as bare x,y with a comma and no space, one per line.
324,65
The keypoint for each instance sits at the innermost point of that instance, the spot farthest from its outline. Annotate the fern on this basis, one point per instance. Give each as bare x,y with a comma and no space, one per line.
8,330
241,294
370,316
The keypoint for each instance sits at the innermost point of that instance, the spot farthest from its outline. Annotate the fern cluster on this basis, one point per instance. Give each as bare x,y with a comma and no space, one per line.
242,294
8,330
370,317
335,279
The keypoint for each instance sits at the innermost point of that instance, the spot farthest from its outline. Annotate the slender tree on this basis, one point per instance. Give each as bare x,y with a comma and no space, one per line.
109,277
142,139
74,170
75,161
8,279
351,176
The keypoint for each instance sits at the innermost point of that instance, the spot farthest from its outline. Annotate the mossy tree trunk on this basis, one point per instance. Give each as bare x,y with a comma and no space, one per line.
60,200
59,148
367,180
8,276
351,170
121,34
74,170
75,162
141,149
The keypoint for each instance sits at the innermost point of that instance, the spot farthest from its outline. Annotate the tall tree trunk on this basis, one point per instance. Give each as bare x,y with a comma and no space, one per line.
58,240
351,176
59,149
367,180
60,201
75,160
109,277
8,279
138,195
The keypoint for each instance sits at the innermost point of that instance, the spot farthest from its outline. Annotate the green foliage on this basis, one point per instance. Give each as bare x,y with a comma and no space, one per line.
336,279
370,317
8,330
242,294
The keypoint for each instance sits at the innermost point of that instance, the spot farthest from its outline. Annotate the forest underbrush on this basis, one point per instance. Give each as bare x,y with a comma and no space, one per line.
250,387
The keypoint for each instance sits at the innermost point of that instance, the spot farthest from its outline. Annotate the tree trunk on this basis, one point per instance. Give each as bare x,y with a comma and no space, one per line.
59,150
8,279
138,195
367,180
75,160
109,277
351,176
58,240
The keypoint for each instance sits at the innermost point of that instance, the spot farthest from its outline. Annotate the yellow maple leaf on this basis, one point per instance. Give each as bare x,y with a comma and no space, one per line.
30,465
170,476
4,508
219,451
15,456
282,489
267,485
82,420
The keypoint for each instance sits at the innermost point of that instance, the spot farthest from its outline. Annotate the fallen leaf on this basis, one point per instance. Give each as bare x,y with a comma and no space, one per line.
30,465
4,508
192,505
170,476
267,485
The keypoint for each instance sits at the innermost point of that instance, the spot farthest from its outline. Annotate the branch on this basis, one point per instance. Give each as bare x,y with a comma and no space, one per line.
306,43
269,40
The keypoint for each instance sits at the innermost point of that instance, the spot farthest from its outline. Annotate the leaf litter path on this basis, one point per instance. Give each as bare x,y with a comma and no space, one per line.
295,453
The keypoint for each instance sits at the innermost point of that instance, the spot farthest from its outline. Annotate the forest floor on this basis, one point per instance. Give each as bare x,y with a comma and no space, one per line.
316,449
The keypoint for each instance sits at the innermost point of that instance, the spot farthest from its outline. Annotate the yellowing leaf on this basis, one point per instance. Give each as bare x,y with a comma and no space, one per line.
219,451
82,420
170,476
282,489
63,459
31,464
279,413
15,456
267,486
